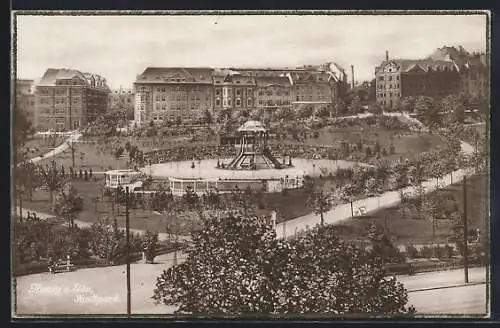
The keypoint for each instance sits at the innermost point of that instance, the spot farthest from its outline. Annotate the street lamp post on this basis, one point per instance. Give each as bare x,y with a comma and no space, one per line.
465,227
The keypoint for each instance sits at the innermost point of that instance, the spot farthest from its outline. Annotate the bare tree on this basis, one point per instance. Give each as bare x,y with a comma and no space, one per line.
72,148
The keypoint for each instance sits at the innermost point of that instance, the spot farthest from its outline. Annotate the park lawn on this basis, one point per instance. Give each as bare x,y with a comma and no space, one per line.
146,144
43,145
290,206
99,158
405,230
93,158
88,190
407,144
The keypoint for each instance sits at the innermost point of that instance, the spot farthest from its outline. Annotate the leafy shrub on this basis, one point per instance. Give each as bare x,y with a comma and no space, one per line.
412,252
426,252
438,252
448,251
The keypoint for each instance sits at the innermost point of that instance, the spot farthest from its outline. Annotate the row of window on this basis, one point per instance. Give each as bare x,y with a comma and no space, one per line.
178,98
274,103
270,93
228,102
237,91
388,86
180,91
237,82
389,94
62,101
389,78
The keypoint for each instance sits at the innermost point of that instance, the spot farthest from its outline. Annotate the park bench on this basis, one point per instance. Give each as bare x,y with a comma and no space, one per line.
62,266
360,211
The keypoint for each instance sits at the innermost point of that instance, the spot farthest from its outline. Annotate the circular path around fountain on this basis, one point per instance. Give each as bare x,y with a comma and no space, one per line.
206,169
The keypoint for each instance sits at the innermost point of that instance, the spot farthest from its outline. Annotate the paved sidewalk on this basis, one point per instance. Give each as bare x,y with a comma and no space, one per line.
371,204
59,149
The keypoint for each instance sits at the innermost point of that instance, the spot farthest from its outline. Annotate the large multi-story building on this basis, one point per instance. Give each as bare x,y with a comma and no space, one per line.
66,99
167,93
25,100
122,98
446,72
232,90
273,92
473,69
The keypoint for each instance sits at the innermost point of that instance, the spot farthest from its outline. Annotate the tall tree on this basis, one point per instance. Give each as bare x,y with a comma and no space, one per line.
72,146
354,105
382,245
149,245
236,266
408,104
207,117
190,199
428,111
52,178
454,110
320,202
22,129
339,107
68,204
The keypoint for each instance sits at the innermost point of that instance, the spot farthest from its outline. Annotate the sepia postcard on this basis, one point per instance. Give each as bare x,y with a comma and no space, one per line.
295,164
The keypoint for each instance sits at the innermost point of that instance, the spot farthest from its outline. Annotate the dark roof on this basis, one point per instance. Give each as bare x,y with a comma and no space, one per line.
263,81
53,74
269,69
321,77
460,56
406,65
177,75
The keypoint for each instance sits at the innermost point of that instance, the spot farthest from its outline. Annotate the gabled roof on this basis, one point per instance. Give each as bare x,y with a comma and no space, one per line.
177,74
460,56
406,65
53,74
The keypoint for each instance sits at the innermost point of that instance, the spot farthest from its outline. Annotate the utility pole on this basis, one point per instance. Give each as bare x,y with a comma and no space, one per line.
20,195
284,229
176,242
465,227
127,237
476,154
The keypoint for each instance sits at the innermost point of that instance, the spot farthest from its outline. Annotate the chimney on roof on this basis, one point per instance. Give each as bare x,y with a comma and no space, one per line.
352,75
387,55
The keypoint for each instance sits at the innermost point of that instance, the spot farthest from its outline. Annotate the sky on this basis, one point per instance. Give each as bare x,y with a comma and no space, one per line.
121,47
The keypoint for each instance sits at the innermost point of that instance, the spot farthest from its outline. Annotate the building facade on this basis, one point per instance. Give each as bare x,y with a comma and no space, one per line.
448,71
66,99
233,91
313,89
169,93
25,100
122,98
273,93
